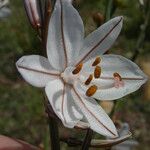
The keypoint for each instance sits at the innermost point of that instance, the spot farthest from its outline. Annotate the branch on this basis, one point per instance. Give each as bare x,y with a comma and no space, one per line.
53,126
87,140
72,142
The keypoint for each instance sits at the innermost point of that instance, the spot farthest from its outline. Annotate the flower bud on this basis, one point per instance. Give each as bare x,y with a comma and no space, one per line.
33,13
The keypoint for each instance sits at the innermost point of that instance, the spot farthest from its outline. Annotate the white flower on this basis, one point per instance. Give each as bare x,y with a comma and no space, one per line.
74,73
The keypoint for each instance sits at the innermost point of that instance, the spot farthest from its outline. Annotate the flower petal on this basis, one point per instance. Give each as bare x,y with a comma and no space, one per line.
131,75
65,35
99,41
62,103
116,93
36,70
97,118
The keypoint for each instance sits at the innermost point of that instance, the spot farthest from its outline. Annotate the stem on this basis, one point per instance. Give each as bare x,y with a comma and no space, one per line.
53,3
95,143
109,8
141,38
53,127
87,141
54,134
47,14
41,11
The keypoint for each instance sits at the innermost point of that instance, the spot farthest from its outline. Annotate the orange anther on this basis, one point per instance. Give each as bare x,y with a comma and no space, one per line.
77,69
91,90
89,79
117,75
97,72
96,61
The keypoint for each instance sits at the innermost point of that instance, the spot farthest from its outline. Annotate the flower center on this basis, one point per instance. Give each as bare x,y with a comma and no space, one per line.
68,77
88,76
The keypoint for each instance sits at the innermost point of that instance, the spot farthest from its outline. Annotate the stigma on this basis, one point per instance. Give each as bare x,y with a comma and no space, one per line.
118,82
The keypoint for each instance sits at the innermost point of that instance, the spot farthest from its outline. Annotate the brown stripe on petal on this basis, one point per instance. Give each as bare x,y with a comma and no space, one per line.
96,61
117,75
101,41
77,69
91,90
62,32
91,113
89,79
97,72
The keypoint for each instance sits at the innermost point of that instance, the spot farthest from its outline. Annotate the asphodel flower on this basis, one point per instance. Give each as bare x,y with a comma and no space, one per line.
76,72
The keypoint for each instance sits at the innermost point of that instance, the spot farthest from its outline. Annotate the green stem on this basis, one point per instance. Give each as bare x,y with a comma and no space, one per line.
141,38
87,141
47,14
53,126
54,134
109,8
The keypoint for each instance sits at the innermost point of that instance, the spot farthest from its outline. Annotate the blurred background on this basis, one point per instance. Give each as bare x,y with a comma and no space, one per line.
22,113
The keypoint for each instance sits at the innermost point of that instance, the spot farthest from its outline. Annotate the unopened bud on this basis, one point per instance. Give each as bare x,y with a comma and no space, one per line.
98,18
33,13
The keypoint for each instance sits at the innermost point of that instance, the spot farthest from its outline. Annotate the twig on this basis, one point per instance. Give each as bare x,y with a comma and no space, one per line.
54,134
72,142
53,127
41,11
141,38
108,12
87,140
47,14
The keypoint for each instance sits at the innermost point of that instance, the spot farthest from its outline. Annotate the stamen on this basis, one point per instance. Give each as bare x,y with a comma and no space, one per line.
77,69
97,72
97,61
89,79
91,90
117,75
